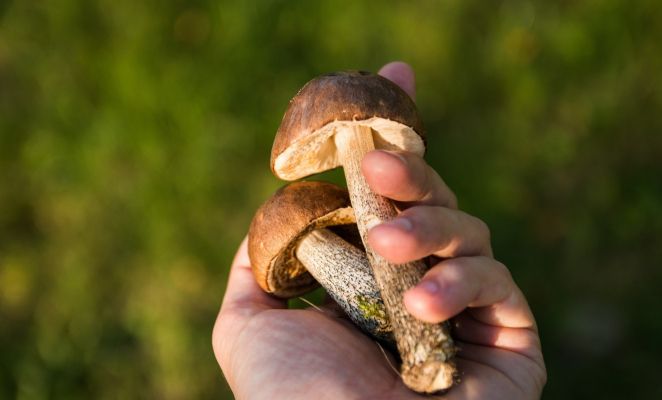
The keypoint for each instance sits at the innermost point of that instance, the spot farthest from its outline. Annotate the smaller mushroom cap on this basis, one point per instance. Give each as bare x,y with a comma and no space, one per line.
279,224
304,142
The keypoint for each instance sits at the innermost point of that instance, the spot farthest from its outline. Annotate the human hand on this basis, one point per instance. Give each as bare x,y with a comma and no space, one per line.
267,351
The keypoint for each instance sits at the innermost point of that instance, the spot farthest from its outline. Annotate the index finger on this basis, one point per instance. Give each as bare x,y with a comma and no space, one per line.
406,178
400,176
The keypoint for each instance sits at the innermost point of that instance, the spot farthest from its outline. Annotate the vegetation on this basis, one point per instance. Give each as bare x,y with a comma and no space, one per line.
134,145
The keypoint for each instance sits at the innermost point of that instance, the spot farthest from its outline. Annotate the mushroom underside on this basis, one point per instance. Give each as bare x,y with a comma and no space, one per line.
286,276
317,151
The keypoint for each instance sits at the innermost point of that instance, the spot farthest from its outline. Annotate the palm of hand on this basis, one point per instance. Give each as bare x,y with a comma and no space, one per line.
269,352
305,353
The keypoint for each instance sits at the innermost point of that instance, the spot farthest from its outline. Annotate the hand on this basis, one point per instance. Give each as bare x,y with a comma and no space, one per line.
269,352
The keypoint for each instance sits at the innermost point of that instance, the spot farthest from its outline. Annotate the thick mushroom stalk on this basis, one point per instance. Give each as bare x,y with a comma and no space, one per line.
334,121
425,349
292,252
344,271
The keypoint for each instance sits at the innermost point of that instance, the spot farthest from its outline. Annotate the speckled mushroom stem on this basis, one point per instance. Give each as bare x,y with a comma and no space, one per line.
344,271
426,349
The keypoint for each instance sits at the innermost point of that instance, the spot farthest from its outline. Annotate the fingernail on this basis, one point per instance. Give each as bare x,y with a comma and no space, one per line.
396,155
400,223
399,156
430,287
371,221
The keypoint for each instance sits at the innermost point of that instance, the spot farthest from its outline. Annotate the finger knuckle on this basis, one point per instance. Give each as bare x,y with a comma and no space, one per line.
420,189
542,376
483,229
453,268
452,200
503,271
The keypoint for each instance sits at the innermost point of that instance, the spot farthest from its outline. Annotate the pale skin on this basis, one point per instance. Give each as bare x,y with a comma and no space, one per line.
267,351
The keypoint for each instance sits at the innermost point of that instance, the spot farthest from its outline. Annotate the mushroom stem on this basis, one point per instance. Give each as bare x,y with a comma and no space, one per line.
344,271
426,349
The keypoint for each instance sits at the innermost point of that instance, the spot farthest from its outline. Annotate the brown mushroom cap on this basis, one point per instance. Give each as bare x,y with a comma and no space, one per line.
279,224
304,142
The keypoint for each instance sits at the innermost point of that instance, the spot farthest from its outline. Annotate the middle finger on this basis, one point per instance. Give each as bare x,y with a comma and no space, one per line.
421,231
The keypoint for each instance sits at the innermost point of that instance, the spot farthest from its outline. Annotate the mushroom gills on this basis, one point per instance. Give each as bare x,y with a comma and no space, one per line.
317,152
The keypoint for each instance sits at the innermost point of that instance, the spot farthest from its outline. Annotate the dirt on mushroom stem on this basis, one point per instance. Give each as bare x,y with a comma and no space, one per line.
343,270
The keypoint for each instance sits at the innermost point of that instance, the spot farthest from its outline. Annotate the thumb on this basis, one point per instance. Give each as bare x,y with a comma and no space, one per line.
401,74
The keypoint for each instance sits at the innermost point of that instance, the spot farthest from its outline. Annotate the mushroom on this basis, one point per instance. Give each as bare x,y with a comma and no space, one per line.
333,121
292,247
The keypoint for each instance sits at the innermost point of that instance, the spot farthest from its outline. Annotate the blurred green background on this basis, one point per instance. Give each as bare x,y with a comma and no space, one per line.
134,145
